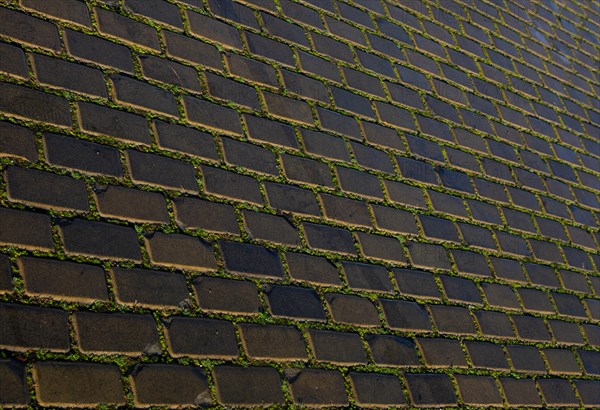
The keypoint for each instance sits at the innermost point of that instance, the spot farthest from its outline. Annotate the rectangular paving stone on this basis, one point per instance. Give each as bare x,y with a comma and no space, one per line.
452,319
182,251
417,283
78,384
442,352
372,389
192,50
34,105
14,63
291,198
247,386
100,239
98,50
231,185
306,170
171,385
30,30
46,190
273,342
405,315
119,124
317,387
312,269
31,327
479,390
213,116
337,347
388,350
17,142
271,228
26,229
63,280
117,333
13,391
430,389
270,131
352,309
196,213
295,302
202,338
253,260
329,238
131,204
70,76
226,295
127,29
149,288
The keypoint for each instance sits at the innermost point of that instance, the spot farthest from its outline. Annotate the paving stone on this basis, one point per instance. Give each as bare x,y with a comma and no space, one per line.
29,29
46,190
34,105
29,327
271,49
508,269
317,387
162,171
417,170
520,392
100,239
428,256
199,337
271,228
231,185
350,309
417,283
313,269
430,389
337,347
98,50
17,142
325,145
526,359
452,319
170,72
295,302
225,295
558,392
461,290
329,238
78,384
115,123
211,29
249,156
167,384
63,280
588,391
561,361
471,263
273,342
339,123
589,359
368,277
487,355
13,391
127,29
292,199
129,334
500,296
405,315
478,390
439,228
381,247
71,76
531,328
394,220
131,204
150,288
405,194
211,216
378,390
270,131
449,204
26,229
5,273
442,352
230,90
388,350
217,117
288,108
192,50
251,260
245,386
157,10
82,155
180,251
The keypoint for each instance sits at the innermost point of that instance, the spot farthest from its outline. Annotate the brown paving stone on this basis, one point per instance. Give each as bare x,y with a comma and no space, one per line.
115,123
17,142
158,10
170,72
248,386
270,131
231,185
352,309
487,355
98,50
520,392
131,204
207,114
225,295
558,392
29,30
271,228
292,199
442,352
14,388
526,359
461,290
180,251
46,190
588,391
34,105
249,156
70,76
452,319
199,337
312,269
417,283
29,327
430,389
196,213
151,288
127,29
78,384
377,390
363,276
117,333
405,315
500,296
317,387
561,361
251,260
390,350
381,247
192,50
307,170
337,347
479,390
295,302
329,238
273,342
5,273
163,384
63,280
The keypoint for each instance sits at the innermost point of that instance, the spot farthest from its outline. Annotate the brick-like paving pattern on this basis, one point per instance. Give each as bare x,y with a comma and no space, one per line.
364,203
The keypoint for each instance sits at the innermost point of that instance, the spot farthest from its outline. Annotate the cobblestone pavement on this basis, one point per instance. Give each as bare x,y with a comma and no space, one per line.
288,203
